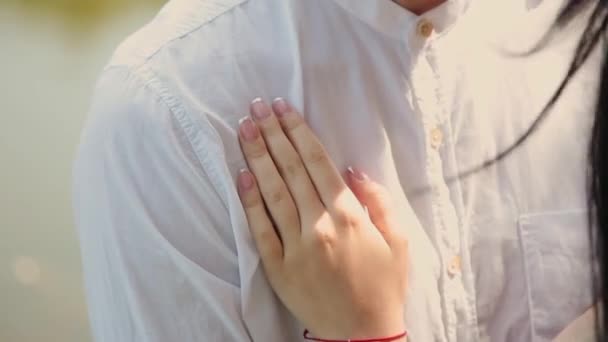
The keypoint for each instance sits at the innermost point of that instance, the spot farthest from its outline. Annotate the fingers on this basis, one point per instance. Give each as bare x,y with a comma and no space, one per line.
325,177
266,239
377,201
273,189
286,160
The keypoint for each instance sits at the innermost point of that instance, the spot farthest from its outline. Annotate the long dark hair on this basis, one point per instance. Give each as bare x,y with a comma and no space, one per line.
597,185
598,165
592,38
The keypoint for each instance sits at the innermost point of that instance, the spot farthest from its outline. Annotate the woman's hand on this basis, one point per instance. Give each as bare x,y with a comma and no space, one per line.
340,271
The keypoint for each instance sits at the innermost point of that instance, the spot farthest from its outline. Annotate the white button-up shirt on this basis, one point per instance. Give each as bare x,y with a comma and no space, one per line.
413,101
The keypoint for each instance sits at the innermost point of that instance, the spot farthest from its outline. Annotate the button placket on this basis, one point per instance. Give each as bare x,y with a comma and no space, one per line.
431,96
425,88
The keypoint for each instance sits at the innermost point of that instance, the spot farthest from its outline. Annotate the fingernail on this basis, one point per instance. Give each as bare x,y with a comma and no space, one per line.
259,109
280,106
357,175
245,180
248,129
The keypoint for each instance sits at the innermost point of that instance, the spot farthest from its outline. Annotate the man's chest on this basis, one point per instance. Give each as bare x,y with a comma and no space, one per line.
512,233
417,123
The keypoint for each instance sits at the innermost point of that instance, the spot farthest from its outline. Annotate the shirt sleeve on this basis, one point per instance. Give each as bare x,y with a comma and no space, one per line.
158,247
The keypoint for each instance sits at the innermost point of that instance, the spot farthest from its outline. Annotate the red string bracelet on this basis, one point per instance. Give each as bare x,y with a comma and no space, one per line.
382,339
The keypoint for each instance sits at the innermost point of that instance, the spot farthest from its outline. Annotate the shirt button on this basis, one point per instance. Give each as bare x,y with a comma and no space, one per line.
425,28
454,266
436,138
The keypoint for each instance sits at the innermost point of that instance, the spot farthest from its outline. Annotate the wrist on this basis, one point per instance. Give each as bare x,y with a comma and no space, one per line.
390,325
390,328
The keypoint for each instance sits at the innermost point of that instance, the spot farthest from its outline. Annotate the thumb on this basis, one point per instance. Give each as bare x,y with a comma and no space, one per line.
377,200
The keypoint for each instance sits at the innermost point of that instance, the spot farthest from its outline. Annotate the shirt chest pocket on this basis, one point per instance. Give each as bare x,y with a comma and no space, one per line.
556,251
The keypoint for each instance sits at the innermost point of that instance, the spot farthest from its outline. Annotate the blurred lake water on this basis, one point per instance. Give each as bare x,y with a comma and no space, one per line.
51,52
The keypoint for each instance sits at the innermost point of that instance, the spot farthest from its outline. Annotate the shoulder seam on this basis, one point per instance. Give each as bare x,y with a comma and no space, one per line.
194,132
187,28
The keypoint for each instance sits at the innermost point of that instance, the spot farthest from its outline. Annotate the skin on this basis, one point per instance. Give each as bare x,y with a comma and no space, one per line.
419,6
339,268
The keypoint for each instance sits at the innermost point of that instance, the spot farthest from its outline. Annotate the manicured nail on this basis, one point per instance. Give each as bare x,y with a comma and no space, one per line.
357,174
259,109
245,180
280,106
248,129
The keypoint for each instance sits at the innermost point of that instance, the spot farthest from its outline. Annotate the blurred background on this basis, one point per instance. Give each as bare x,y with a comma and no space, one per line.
51,52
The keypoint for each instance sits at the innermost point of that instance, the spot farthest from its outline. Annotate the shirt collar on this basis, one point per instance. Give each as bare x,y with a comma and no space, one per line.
388,17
